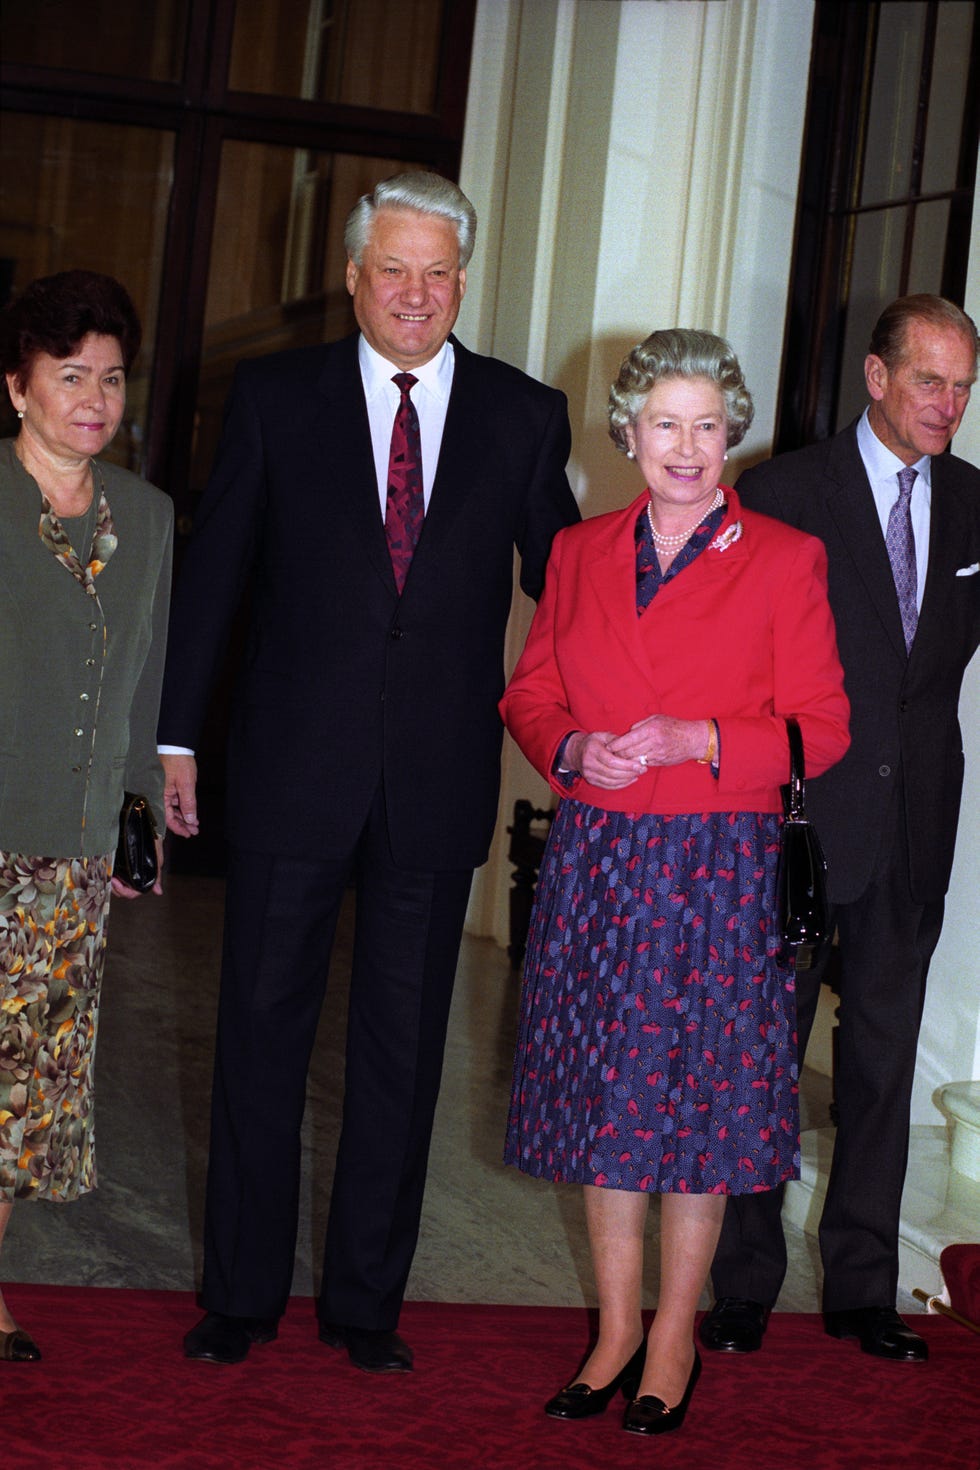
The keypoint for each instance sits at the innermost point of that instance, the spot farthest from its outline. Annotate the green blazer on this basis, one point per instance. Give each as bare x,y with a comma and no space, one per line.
82,643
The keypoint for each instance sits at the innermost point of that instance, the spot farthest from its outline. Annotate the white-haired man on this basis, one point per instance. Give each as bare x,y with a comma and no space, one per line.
373,491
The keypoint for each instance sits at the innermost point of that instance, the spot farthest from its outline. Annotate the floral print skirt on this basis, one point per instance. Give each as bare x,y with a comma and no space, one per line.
53,915
657,1040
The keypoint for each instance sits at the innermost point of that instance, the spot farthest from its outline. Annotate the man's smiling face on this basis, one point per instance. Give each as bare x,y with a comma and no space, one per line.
409,285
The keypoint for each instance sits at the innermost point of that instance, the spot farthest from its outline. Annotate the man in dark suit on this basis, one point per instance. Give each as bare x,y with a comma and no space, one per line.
901,523
372,491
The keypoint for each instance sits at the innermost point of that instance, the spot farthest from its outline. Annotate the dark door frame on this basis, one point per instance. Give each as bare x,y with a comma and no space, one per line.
838,102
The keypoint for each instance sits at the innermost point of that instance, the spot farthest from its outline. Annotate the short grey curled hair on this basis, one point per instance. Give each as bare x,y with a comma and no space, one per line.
678,352
428,193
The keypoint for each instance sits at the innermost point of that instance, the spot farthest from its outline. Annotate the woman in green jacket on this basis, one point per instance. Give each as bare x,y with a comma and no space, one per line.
85,551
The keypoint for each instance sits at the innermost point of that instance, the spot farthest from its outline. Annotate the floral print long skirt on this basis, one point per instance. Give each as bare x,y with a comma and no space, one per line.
53,916
657,1040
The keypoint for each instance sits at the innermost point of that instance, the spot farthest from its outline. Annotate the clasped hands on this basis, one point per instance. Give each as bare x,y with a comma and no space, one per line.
613,761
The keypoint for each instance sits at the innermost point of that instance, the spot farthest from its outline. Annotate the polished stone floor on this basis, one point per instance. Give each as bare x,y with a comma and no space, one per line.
488,1233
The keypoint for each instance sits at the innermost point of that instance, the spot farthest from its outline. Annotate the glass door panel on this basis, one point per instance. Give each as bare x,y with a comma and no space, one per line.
91,196
102,36
277,266
362,53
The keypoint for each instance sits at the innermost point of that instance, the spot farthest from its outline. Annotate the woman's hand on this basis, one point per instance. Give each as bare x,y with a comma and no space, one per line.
123,890
661,740
595,757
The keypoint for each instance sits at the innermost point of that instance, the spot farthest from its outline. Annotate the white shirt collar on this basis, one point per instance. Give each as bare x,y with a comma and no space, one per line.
435,376
879,461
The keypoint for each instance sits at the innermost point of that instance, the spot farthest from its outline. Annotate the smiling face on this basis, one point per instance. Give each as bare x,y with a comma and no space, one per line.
679,439
916,408
73,406
408,288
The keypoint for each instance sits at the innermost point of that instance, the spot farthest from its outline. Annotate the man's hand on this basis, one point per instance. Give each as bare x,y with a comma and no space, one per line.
180,794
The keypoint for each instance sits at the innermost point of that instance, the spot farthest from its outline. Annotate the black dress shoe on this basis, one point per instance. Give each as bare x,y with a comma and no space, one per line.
650,1415
18,1347
218,1338
734,1325
880,1331
579,1401
373,1351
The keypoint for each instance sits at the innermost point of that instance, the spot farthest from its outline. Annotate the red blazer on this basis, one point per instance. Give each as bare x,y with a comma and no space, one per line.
743,635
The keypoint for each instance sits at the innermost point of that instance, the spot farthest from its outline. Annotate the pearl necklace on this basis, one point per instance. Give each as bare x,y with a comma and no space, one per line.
671,543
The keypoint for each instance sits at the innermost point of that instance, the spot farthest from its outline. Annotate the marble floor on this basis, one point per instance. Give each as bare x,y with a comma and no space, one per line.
488,1233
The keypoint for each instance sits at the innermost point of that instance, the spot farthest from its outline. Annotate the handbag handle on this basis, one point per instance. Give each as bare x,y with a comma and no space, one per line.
796,793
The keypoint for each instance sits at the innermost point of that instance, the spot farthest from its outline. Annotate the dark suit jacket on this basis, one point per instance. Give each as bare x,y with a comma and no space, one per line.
344,682
903,708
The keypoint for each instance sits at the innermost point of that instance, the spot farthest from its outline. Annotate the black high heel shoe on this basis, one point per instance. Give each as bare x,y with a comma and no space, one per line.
579,1401
18,1347
650,1415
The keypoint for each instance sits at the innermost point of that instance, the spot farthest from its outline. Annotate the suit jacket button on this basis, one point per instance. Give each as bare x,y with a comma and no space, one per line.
396,632
884,770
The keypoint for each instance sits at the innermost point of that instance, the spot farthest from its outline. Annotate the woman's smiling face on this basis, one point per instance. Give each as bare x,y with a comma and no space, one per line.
679,439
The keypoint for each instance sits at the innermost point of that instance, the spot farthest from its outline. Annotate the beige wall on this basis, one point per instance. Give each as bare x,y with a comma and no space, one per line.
949,1044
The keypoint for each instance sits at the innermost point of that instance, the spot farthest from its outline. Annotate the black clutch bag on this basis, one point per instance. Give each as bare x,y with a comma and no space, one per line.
802,915
136,855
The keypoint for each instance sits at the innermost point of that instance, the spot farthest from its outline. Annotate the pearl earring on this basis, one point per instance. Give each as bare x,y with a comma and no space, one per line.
726,458
630,454
20,413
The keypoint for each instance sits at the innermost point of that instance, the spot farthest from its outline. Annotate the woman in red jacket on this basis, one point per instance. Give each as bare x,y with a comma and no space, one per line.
656,1052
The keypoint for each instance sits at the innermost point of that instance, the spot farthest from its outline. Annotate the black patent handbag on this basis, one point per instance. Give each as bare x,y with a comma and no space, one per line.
802,915
136,854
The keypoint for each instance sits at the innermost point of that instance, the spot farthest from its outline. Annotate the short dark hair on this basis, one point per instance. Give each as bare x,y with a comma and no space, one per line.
889,335
55,313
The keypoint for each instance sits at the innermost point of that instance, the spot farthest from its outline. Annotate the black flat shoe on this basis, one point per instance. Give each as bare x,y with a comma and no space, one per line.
579,1401
18,1347
650,1415
218,1338
373,1351
880,1331
734,1325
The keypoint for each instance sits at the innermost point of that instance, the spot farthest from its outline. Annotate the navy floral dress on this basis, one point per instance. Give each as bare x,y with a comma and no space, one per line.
657,1041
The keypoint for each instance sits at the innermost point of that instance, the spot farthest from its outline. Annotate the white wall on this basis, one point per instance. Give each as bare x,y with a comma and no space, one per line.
949,1043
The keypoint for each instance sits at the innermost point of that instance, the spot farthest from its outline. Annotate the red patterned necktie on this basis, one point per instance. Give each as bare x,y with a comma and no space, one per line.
900,545
405,504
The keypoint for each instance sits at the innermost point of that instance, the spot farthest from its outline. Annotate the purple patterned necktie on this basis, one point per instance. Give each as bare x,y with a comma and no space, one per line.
900,544
405,504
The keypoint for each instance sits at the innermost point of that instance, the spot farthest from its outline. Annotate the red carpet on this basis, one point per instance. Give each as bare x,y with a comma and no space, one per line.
114,1391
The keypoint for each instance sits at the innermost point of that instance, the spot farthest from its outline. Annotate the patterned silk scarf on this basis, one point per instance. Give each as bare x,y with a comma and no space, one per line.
104,541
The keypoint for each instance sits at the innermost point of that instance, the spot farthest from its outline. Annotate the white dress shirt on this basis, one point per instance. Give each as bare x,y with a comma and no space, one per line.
431,398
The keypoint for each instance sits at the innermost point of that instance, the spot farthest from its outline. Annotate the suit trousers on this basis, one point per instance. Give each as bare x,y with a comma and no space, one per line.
886,943
280,918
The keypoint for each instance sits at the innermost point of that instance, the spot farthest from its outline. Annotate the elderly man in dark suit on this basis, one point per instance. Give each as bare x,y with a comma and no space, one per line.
901,523
373,492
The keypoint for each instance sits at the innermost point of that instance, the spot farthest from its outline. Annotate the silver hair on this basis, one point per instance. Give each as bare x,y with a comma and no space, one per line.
426,192
678,352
